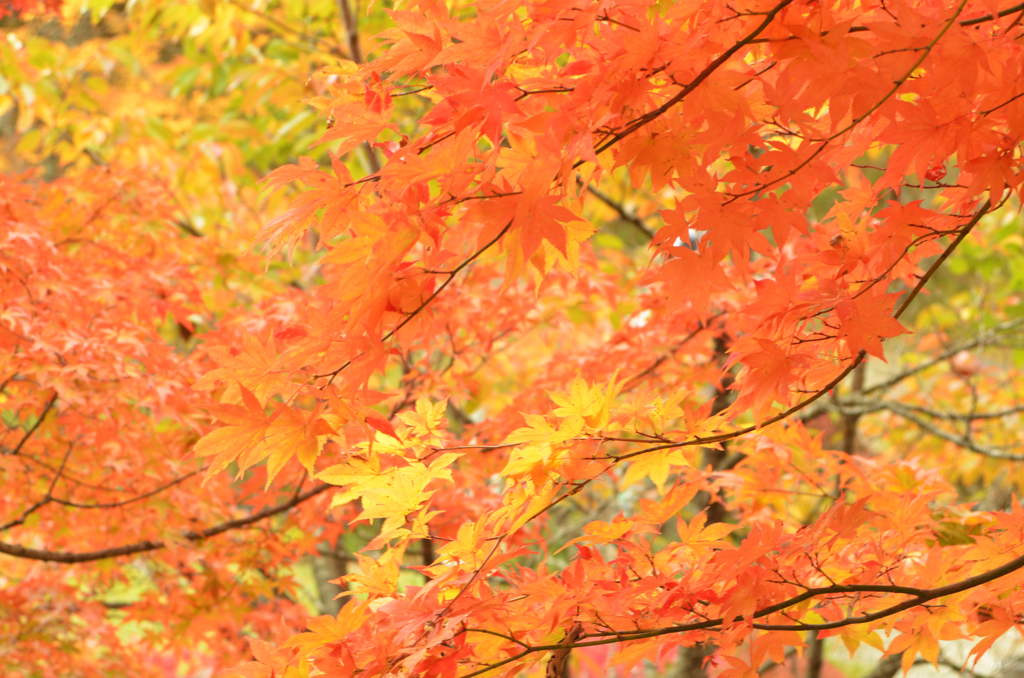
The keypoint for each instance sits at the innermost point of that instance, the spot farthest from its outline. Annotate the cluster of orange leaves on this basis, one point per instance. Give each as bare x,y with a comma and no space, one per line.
475,357
476,229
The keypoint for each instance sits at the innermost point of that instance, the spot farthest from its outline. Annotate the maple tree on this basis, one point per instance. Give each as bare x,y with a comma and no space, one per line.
590,342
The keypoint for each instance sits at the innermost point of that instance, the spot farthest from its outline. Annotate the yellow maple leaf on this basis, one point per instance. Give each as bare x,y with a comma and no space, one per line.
407,493
355,470
391,493
427,422
244,430
469,545
535,460
589,403
538,431
600,532
696,533
655,465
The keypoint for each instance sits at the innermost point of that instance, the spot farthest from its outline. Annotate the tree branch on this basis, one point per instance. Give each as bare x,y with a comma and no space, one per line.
864,29
35,426
140,497
46,499
642,120
920,596
962,441
141,547
945,355
626,215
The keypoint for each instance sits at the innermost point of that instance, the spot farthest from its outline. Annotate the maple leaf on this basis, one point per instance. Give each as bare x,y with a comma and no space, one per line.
355,471
658,512
769,373
992,630
427,421
402,495
866,320
657,466
291,433
243,433
699,533
382,425
690,278
542,219
253,366
468,546
329,629
590,404
355,125
600,532
418,273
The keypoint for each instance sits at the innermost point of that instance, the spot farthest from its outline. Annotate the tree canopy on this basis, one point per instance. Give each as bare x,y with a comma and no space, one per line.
455,339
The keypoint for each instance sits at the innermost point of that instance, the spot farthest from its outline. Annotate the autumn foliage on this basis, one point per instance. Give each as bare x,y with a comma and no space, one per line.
682,328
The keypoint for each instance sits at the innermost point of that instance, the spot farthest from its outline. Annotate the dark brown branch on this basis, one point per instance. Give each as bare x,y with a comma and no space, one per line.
919,597
35,426
189,228
350,24
125,502
693,84
626,215
47,498
937,264
855,362
965,23
141,547
560,658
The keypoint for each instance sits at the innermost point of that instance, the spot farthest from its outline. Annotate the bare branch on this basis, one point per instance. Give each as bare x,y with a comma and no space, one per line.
964,442
980,340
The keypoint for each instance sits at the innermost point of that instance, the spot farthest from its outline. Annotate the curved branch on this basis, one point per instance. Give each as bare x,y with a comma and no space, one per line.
919,597
642,120
980,340
912,294
139,497
961,441
141,547
803,404
966,23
